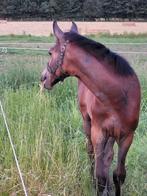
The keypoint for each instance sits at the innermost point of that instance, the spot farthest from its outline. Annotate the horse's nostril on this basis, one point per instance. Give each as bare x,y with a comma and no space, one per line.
43,78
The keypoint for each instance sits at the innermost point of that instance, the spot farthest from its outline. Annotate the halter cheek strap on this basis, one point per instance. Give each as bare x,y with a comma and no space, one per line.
59,62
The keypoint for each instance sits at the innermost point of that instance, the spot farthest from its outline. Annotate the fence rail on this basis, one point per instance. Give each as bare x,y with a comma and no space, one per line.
41,46
5,50
52,43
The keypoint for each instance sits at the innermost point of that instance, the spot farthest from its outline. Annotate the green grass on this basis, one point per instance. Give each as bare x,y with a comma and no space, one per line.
125,38
26,38
47,132
49,142
27,52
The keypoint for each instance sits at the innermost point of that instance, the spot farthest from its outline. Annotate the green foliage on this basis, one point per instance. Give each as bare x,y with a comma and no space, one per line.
73,9
92,9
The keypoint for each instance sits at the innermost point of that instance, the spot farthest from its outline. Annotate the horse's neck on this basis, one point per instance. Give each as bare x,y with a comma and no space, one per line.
94,77
89,70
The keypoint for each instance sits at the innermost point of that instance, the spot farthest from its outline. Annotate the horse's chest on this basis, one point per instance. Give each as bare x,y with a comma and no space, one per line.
85,102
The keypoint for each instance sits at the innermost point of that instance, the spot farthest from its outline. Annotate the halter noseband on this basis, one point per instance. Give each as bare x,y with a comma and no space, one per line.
59,62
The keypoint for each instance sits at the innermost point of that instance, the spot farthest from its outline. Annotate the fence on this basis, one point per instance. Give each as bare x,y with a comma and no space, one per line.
140,48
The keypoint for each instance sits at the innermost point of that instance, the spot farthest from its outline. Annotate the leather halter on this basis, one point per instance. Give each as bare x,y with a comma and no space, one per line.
60,59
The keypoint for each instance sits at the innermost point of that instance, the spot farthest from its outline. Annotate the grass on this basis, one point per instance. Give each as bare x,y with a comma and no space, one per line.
125,38
47,133
26,38
27,51
49,142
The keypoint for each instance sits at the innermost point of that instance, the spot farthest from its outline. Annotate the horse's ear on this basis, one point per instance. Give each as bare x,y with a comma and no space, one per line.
74,27
57,31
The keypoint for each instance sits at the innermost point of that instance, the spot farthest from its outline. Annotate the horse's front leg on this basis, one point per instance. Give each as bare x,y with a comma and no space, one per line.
87,129
119,173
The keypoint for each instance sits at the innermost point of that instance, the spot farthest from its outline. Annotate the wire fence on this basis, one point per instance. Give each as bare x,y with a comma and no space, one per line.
126,48
5,50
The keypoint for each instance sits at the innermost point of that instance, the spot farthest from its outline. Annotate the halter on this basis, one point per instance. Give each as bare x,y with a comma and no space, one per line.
59,62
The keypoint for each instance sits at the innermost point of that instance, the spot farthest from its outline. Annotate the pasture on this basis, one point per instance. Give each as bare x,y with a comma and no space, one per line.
47,128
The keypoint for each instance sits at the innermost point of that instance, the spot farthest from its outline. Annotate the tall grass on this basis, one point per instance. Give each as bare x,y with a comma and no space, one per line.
49,144
47,133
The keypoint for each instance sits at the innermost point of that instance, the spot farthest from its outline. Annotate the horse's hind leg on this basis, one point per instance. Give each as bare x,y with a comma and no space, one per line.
119,173
108,157
107,160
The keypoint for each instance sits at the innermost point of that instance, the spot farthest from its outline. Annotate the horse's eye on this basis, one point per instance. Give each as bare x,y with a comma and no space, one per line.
49,52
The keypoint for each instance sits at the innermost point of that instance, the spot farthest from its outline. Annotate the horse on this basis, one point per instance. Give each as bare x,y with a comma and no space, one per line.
108,97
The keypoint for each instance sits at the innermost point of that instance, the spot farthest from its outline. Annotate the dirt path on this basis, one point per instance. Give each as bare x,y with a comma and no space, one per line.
45,28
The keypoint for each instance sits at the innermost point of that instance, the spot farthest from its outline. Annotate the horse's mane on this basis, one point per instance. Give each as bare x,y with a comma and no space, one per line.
99,51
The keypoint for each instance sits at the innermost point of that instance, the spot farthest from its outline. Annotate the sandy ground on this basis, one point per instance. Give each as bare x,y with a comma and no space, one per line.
45,28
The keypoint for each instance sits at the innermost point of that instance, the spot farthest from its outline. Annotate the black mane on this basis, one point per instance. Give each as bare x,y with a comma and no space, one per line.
102,53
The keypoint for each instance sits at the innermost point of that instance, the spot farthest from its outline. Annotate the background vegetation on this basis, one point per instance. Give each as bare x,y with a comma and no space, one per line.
47,129
74,9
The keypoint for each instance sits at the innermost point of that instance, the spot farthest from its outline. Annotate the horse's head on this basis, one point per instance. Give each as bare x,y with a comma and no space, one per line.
55,70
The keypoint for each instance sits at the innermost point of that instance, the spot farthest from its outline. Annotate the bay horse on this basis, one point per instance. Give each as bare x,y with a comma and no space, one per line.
108,96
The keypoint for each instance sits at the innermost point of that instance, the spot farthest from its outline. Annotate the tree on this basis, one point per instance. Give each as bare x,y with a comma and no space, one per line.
73,9
108,9
141,9
92,9
44,9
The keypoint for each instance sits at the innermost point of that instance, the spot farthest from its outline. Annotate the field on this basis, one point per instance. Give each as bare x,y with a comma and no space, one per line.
41,28
47,128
